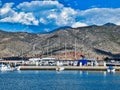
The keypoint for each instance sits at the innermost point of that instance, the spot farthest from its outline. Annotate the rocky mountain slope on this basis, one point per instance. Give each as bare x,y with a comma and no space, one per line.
92,41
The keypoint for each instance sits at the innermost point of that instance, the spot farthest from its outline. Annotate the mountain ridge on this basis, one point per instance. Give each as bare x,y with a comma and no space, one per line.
90,41
35,29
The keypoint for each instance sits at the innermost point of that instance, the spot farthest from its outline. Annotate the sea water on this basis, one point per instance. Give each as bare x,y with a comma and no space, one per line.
65,80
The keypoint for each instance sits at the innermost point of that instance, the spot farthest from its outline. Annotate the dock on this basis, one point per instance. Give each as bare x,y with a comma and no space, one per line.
87,68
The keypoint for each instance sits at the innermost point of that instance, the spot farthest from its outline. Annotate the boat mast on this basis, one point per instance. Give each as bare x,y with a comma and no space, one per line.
65,45
47,47
22,56
59,48
65,50
51,50
34,49
75,49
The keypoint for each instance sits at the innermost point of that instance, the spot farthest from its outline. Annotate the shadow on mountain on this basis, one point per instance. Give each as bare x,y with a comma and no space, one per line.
103,52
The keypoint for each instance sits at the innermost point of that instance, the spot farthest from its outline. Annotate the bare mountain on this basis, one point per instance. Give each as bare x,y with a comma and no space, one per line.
92,41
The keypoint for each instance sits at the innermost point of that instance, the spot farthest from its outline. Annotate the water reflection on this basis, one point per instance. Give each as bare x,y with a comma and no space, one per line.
65,80
58,72
83,72
104,73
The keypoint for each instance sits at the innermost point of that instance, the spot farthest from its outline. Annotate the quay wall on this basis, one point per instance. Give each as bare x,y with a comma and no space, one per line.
88,68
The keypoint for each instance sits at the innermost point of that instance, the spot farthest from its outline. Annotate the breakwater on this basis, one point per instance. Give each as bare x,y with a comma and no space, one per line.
88,68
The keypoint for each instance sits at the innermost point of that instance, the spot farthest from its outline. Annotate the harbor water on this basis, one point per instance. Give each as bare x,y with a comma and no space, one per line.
65,80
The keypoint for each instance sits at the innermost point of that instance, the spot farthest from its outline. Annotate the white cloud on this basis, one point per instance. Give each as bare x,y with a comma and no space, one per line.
100,16
51,12
42,20
39,5
66,17
10,15
78,24
6,8
47,29
117,23
24,18
52,16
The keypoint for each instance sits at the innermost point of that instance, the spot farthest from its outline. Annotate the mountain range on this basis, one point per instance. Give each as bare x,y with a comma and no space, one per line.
91,41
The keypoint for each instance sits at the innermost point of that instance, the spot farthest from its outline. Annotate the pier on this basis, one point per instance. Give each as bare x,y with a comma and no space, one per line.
87,68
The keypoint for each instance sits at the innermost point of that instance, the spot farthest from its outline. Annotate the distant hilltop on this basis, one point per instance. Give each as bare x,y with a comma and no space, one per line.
109,24
91,41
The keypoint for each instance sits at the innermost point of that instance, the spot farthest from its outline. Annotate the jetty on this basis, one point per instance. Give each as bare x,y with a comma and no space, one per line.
87,68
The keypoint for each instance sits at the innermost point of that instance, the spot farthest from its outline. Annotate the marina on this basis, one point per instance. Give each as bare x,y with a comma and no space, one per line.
59,44
53,64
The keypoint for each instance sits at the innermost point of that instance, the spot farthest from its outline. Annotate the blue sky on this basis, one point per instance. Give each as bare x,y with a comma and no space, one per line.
46,15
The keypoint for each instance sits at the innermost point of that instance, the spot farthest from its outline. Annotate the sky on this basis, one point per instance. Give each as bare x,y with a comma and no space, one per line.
37,16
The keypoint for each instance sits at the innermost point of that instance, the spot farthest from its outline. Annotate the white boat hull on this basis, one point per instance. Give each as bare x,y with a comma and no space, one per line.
59,68
8,68
108,70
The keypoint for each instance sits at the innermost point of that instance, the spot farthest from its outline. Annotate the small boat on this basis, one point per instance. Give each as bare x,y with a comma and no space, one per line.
110,69
7,67
59,68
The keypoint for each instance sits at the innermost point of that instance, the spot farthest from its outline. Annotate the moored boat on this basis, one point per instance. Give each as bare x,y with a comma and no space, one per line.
7,67
110,69
58,68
